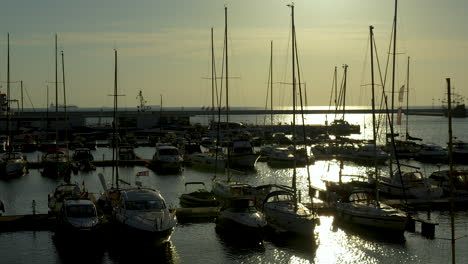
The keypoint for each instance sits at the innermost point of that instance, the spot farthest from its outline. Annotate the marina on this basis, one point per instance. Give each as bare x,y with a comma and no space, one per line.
222,171
181,244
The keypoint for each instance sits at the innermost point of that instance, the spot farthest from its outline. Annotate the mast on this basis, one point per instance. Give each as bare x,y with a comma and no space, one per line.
394,57
56,95
227,91
213,80
271,81
114,126
293,51
344,88
22,105
407,98
64,100
374,132
8,92
227,64
452,187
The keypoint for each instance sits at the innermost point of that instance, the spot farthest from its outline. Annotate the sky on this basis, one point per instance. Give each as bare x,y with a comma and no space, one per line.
164,49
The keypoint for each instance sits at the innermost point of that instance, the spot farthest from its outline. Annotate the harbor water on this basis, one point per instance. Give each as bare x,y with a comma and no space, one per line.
334,242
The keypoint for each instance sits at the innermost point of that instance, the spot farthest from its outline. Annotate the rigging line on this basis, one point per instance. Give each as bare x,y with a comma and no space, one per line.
303,124
30,101
331,95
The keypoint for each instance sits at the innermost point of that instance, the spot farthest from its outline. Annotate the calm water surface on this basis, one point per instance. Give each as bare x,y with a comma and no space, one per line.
199,243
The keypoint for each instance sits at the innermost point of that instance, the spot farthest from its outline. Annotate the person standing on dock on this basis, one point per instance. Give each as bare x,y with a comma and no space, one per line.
2,207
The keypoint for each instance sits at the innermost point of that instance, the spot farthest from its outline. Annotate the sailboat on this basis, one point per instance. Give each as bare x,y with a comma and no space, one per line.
238,214
363,207
55,161
282,209
137,211
12,164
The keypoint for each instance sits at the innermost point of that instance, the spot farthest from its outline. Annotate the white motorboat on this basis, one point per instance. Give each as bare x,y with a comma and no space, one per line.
61,193
411,184
143,212
362,209
167,158
207,159
78,216
242,155
241,218
12,164
285,214
431,153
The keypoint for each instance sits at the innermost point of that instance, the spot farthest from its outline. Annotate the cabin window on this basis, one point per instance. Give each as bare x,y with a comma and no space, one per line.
168,152
81,211
145,205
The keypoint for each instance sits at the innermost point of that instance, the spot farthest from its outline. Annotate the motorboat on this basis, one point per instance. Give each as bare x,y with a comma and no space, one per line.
432,153
56,163
242,156
441,178
198,198
239,217
361,208
78,216
143,212
284,214
207,159
62,192
370,153
83,159
228,190
12,164
411,184
167,158
126,152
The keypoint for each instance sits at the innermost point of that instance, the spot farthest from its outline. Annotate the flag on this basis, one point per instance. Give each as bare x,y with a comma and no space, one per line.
401,94
143,173
398,121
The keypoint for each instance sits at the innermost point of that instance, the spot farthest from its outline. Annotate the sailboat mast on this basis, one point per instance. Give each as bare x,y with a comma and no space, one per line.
64,99
8,92
344,89
213,80
227,64
56,95
271,81
293,51
114,124
394,57
228,165
450,152
407,98
374,132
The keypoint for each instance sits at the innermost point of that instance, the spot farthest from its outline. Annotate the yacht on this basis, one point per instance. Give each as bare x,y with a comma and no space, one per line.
79,216
240,217
12,164
62,192
143,212
361,208
167,158
242,155
284,214
411,184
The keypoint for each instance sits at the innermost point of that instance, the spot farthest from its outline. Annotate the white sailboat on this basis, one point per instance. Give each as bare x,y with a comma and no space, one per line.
282,209
238,214
137,211
12,164
364,208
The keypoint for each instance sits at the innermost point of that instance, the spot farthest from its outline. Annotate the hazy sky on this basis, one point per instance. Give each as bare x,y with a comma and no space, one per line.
164,48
